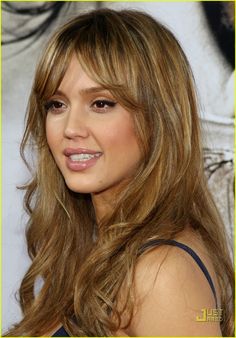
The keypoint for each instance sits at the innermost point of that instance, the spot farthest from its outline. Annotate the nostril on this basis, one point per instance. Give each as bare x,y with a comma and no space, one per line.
73,132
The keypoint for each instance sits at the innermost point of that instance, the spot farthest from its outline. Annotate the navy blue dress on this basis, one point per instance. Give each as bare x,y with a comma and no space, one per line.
62,332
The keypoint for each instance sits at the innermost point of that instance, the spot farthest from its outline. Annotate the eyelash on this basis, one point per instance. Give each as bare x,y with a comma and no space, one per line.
106,104
51,106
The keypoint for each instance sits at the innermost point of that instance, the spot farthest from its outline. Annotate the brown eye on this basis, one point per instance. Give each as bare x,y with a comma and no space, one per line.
54,106
103,105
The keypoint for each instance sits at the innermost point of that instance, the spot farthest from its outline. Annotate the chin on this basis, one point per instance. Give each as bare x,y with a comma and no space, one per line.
81,187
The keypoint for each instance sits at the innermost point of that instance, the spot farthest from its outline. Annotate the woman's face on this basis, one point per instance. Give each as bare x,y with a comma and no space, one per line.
91,136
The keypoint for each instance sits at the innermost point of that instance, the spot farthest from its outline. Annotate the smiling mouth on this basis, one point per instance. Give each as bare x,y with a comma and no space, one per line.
80,162
83,157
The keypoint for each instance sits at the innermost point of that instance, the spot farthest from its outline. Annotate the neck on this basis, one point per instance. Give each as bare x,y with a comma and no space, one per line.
103,206
105,202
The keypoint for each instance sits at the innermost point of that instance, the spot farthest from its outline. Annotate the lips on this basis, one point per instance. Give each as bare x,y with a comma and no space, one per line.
83,157
80,159
72,151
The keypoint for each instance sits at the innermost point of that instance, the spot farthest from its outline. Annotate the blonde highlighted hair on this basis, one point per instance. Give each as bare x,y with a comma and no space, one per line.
144,67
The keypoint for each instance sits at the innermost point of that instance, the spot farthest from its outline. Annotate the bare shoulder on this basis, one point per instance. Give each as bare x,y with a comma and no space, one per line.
171,291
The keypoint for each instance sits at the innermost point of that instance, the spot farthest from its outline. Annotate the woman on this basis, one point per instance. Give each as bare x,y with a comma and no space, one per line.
122,228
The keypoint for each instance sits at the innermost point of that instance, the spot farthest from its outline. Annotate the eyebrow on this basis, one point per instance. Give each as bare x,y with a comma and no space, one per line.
85,91
92,90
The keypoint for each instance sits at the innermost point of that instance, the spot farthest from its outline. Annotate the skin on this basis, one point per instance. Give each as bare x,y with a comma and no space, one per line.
79,117
170,288
170,292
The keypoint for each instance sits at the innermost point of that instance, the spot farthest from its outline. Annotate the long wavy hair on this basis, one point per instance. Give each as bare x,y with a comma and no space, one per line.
144,67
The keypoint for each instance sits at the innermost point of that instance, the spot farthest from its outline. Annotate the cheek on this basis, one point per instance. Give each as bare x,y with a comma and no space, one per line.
49,135
121,139
53,132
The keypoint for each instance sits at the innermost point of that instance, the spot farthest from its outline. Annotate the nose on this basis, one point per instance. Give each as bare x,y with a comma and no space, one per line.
76,124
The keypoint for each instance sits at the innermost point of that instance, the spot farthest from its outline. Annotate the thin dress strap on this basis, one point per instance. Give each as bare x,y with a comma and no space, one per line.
192,253
61,333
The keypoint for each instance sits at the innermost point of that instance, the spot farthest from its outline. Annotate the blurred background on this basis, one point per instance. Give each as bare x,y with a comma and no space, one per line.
205,31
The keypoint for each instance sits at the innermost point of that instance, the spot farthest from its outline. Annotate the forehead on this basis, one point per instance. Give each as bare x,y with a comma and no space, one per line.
76,76
76,80
68,62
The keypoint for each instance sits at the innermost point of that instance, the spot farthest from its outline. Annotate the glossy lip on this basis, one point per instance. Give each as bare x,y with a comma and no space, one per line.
83,165
71,151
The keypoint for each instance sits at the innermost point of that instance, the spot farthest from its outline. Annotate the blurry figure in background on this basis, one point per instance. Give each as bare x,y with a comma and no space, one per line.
219,150
121,222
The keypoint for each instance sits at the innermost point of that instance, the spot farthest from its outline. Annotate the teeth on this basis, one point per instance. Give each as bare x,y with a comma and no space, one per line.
83,157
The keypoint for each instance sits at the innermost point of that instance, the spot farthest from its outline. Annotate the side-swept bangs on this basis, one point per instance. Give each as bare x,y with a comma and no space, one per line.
108,53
